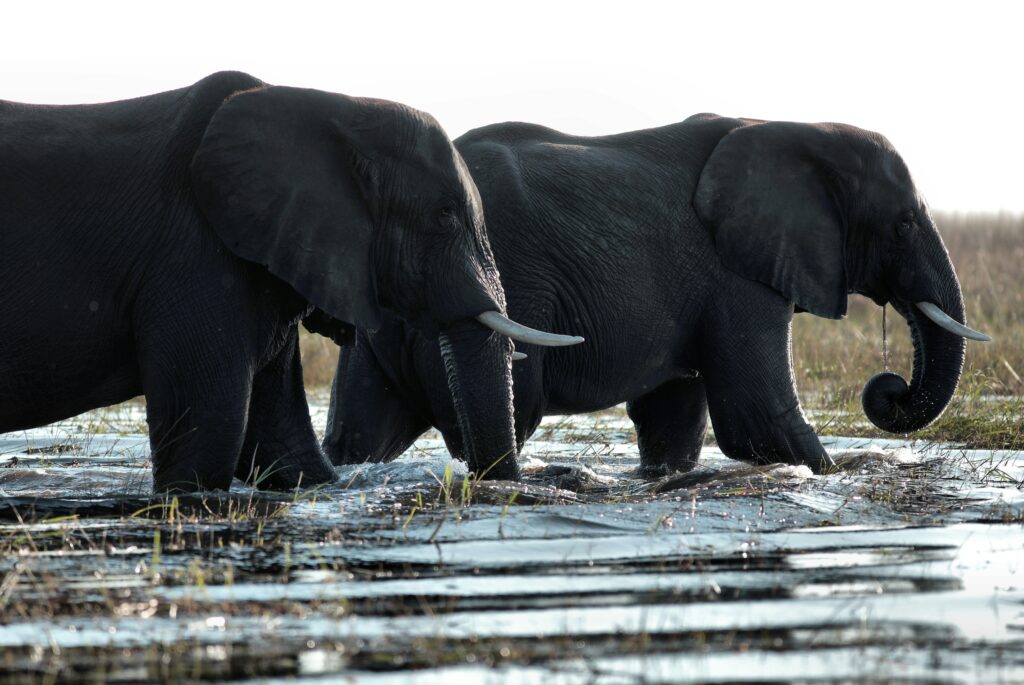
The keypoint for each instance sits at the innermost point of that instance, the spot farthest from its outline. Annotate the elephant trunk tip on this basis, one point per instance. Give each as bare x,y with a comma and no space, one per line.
890,404
883,401
940,341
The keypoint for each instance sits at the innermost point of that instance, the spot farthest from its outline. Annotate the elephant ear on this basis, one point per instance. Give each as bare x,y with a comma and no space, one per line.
770,195
281,177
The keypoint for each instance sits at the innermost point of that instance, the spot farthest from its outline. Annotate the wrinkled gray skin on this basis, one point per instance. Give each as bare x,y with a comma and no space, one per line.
680,253
169,245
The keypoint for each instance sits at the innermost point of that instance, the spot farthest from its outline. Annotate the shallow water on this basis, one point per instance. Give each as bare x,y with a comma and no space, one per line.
906,564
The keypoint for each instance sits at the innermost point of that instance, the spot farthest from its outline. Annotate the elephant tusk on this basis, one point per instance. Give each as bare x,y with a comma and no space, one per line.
524,334
944,320
517,356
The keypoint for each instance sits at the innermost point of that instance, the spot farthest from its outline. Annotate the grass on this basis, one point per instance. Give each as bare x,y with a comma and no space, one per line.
834,359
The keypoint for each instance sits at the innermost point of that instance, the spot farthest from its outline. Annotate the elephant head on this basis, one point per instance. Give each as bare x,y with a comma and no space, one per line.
363,206
818,211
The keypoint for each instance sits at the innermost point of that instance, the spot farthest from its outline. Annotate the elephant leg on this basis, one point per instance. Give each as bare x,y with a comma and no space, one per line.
748,376
671,422
280,451
369,420
431,373
196,407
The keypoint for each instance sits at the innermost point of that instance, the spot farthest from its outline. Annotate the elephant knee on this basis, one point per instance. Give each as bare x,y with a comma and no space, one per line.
346,444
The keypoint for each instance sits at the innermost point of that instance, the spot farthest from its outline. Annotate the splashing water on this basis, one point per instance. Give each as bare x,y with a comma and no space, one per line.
903,564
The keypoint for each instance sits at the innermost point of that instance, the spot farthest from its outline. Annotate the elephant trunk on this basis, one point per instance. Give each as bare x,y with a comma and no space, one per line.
478,364
888,401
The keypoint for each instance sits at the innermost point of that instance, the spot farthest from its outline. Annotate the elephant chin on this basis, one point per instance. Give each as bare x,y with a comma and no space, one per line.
898,407
478,364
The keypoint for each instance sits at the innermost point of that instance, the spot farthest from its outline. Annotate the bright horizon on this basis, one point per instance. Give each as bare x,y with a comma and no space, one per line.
942,82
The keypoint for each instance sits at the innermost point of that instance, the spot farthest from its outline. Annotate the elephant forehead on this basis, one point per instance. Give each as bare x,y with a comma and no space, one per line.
889,181
468,186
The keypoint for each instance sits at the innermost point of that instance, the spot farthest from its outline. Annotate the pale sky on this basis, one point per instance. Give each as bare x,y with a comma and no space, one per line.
944,82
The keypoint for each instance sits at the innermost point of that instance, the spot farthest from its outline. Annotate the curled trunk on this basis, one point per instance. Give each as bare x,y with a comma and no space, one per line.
894,406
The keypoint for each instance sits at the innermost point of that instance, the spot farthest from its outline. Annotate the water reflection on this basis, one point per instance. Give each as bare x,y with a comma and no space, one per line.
903,564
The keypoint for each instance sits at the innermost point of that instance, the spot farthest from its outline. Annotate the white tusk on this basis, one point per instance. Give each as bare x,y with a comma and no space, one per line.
516,356
524,334
944,320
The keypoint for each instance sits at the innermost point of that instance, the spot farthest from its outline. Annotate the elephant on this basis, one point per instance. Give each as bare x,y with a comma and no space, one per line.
681,253
168,246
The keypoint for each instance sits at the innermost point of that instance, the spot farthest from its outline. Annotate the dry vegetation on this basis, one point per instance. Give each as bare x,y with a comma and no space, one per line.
835,358
319,360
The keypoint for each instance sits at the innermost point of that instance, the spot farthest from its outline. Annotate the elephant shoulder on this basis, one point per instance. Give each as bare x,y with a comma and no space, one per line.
209,93
713,126
227,82
516,140
702,117
178,106
686,146
194,106
493,155
710,118
510,133
523,148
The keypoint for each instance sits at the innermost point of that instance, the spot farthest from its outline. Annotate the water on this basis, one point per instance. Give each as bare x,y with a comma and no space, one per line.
904,565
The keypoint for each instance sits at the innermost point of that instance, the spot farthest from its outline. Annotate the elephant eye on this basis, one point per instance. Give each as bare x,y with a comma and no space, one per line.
905,224
446,215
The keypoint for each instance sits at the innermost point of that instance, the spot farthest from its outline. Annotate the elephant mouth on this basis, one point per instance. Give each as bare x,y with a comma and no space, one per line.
880,300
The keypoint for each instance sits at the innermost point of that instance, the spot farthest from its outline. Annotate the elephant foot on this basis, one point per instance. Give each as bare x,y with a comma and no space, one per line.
280,451
505,468
369,419
291,471
656,471
671,422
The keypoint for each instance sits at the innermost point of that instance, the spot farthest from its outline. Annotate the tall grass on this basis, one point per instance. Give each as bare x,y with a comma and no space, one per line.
319,361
